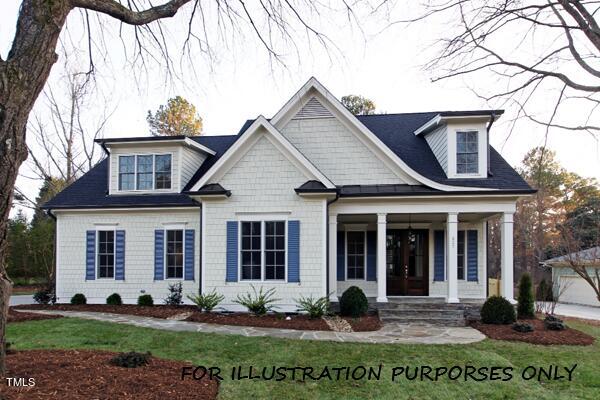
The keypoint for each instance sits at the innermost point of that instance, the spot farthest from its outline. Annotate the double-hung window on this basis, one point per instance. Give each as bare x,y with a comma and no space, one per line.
174,254
467,157
263,250
355,254
145,172
460,255
106,254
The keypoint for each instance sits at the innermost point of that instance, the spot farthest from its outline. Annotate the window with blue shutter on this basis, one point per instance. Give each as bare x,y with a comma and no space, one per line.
438,256
120,255
159,254
293,251
90,255
472,256
341,255
371,255
231,274
189,254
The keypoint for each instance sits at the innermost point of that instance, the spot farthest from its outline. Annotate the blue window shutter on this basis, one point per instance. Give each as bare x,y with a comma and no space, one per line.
371,255
438,256
231,274
159,255
341,254
472,256
120,255
293,251
90,255
189,254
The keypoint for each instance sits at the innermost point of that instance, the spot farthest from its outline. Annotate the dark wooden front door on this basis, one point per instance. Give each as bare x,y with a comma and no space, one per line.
407,264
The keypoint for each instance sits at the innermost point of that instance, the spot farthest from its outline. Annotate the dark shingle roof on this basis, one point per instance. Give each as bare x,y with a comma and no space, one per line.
211,189
314,187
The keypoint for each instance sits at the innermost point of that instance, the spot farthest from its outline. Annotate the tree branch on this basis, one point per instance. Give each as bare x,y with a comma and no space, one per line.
124,14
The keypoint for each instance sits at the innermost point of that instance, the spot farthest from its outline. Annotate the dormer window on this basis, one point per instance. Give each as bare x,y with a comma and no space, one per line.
145,172
467,152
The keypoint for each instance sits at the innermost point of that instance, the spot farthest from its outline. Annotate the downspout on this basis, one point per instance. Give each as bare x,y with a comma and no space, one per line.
200,236
327,285
51,215
492,119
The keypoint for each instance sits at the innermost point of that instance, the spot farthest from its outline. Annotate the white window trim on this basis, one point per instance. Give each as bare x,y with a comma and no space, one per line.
97,248
176,228
465,254
355,228
135,155
467,174
262,219
482,155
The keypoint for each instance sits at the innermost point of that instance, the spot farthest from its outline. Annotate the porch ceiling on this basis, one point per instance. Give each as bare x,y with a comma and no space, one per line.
415,218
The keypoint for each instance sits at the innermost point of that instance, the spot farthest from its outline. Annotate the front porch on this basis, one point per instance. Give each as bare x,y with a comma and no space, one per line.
408,249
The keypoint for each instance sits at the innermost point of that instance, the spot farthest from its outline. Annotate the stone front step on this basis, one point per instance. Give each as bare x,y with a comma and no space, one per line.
445,321
429,313
427,310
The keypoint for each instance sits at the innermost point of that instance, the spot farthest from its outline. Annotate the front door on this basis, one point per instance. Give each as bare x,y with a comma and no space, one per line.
406,262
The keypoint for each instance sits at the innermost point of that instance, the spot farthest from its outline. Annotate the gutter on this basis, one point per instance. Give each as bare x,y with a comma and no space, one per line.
327,284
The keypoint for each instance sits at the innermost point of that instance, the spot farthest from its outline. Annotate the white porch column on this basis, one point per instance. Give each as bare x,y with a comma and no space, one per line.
506,256
333,258
381,257
451,254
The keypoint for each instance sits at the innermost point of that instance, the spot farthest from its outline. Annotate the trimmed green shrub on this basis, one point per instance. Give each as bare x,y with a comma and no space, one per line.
525,306
353,302
206,302
78,298
523,327
131,360
114,300
145,300
175,297
315,308
258,303
497,310
553,323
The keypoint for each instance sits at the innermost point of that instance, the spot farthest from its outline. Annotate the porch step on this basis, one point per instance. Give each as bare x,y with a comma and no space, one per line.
445,321
425,313
423,310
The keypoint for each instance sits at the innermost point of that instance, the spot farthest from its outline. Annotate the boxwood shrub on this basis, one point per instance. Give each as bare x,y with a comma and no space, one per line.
114,300
353,302
145,300
78,298
497,310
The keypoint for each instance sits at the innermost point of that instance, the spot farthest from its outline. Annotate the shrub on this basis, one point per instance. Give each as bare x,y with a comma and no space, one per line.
175,297
44,296
555,325
145,300
78,298
114,300
525,306
544,291
522,327
131,360
353,302
552,318
206,302
315,308
497,310
258,303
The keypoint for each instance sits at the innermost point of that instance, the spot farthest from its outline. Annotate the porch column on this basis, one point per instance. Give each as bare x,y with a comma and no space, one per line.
506,256
333,258
451,245
381,256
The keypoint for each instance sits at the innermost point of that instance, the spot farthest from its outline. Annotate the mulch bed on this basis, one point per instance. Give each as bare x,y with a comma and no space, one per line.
74,375
20,316
540,335
301,322
367,323
158,311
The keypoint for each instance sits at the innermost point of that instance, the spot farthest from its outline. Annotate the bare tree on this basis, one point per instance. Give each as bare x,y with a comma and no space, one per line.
25,70
539,56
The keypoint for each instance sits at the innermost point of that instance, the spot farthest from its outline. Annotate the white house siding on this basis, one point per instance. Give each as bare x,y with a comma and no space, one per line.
172,149
337,152
190,162
438,142
263,181
139,229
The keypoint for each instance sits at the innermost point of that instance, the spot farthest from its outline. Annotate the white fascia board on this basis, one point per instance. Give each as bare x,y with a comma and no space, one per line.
186,142
438,119
197,146
429,125
278,140
283,116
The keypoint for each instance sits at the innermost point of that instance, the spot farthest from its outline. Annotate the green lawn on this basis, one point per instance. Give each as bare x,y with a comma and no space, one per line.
227,351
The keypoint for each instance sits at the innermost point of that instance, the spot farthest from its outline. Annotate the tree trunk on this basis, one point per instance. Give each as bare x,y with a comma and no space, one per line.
22,77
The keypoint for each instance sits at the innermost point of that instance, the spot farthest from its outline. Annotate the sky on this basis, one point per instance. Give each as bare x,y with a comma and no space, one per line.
240,82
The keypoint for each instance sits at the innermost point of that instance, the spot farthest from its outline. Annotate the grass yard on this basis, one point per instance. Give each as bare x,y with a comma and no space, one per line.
227,351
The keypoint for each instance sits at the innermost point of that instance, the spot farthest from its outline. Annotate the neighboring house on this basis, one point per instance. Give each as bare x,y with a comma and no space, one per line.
572,287
309,202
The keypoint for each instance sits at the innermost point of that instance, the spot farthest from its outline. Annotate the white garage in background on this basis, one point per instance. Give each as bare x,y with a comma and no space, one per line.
572,287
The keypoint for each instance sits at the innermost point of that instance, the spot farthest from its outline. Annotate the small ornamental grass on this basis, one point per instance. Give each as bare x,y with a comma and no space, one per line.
78,298
145,300
114,300
206,302
314,307
131,360
497,310
259,303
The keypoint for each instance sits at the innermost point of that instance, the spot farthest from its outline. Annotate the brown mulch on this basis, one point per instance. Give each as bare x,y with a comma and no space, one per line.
300,322
157,311
75,375
367,323
20,316
540,335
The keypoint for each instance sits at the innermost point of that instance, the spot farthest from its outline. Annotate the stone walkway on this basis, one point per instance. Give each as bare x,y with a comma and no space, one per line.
390,333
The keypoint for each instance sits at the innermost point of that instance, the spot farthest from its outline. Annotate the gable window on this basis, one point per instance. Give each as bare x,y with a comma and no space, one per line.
145,172
460,255
262,250
174,254
467,157
355,254
106,254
